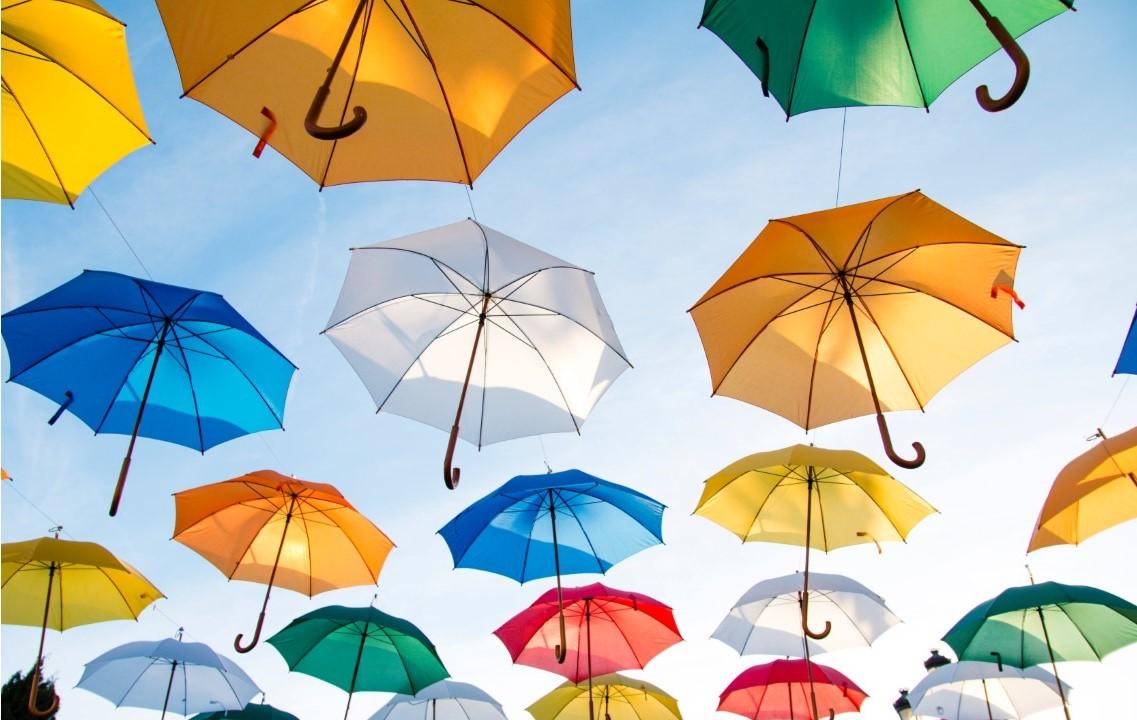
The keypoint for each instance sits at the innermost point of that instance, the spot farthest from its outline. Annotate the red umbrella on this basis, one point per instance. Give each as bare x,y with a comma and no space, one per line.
607,630
781,691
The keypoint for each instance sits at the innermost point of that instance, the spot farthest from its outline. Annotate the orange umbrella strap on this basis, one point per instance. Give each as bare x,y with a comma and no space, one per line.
1010,291
268,131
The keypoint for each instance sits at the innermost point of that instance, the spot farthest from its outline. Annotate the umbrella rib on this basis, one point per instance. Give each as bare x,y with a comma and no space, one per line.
800,54
350,88
761,505
509,332
1077,627
829,277
121,385
153,661
125,602
415,360
528,543
891,351
533,273
193,392
403,25
71,344
933,296
627,641
528,41
406,670
253,385
453,327
556,383
39,140
911,55
438,263
481,229
868,280
863,239
826,323
555,313
583,532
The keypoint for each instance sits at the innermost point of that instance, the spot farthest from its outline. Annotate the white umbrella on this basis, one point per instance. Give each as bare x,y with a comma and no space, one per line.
423,318
766,620
181,677
444,700
971,690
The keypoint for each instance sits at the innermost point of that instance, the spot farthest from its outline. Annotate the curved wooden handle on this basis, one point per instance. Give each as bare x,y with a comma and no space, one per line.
1022,65
122,473
888,449
451,475
561,650
32,704
256,636
805,621
312,119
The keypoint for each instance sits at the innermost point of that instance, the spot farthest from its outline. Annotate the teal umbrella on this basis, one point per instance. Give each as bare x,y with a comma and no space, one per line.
360,649
251,712
1047,622
812,55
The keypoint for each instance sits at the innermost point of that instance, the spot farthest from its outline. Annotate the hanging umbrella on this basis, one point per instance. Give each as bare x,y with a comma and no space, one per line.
249,712
444,700
863,309
244,527
360,650
781,689
513,530
135,357
70,109
168,675
425,318
83,583
1127,361
978,690
1047,622
609,630
620,698
766,620
1096,491
435,89
881,52
772,497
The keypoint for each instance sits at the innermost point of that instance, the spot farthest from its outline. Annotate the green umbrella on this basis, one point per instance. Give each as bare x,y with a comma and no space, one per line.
360,649
815,54
250,712
1034,624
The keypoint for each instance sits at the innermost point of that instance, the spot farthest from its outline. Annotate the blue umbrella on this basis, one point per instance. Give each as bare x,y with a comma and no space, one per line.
1127,363
108,347
538,526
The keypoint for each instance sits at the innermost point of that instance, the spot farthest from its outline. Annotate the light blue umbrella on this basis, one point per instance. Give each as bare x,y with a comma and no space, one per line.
444,700
168,675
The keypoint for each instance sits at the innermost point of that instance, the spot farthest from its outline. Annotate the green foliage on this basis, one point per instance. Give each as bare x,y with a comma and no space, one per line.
14,697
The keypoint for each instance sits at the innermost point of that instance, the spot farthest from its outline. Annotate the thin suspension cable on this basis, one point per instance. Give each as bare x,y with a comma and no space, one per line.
544,455
1116,400
470,199
91,191
841,156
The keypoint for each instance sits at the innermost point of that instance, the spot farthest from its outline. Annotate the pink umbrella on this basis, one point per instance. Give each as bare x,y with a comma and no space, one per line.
790,690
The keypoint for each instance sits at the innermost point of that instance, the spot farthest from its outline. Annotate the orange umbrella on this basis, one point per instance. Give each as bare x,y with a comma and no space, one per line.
245,527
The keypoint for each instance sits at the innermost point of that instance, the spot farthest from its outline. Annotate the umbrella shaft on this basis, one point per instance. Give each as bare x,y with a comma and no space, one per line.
1053,664
986,699
805,586
557,568
149,382
355,672
169,686
860,342
588,639
43,635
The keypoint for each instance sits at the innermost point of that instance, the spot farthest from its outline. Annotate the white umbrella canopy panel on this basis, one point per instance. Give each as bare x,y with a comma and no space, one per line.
444,700
971,690
468,330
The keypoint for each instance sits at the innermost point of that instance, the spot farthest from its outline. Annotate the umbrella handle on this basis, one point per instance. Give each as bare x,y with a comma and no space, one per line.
764,78
334,132
32,705
998,659
451,475
561,650
256,636
69,398
1022,64
888,449
268,131
805,622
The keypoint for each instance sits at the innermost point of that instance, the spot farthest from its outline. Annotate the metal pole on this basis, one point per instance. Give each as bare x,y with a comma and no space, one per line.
588,637
169,685
138,420
805,588
39,657
355,673
451,476
1053,664
561,650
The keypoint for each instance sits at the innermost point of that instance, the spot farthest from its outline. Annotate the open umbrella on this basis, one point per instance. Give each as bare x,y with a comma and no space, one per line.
360,649
513,530
1094,492
878,52
620,698
259,711
61,584
444,700
1047,622
168,675
766,620
972,690
70,109
434,88
773,496
782,689
136,357
424,318
862,309
245,527
1127,361
609,630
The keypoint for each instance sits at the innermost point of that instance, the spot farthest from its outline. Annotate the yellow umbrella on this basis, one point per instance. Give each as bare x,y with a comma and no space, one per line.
70,109
1096,491
858,310
434,88
61,584
621,697
772,497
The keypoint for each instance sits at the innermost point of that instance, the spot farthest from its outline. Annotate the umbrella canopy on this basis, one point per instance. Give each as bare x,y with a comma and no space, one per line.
249,712
766,620
881,52
136,357
1094,492
360,650
70,109
61,584
245,527
429,89
1127,362
862,309
444,700
618,696
781,690
979,690
423,318
168,675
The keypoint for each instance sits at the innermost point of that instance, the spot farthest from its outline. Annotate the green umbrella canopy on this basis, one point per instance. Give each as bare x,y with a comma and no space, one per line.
1082,623
360,649
251,712
813,54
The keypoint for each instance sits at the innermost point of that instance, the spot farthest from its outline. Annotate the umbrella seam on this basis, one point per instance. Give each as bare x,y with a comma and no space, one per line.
193,393
528,41
39,140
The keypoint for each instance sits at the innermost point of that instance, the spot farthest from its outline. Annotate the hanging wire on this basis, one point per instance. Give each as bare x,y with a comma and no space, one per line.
470,199
544,455
91,191
1116,400
841,156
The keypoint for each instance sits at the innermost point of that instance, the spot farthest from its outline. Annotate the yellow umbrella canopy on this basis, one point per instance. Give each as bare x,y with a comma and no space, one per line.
862,309
48,582
70,109
617,696
1096,491
270,528
414,89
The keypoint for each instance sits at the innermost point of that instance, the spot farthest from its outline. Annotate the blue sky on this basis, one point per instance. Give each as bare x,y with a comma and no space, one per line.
656,176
